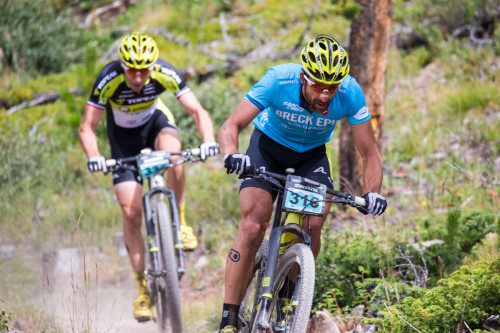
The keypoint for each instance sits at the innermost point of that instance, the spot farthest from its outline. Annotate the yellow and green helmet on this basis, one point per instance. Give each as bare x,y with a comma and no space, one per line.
324,60
138,50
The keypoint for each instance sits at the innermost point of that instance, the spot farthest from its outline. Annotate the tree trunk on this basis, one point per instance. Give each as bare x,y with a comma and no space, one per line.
368,45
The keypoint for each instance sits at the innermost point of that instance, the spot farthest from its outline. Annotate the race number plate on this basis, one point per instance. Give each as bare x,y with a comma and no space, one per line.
152,163
304,198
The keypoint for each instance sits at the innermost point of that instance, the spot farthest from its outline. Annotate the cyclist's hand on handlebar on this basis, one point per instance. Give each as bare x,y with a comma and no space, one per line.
208,149
97,163
376,204
236,163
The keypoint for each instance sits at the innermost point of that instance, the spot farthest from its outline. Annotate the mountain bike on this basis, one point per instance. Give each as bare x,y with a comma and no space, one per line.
287,255
166,264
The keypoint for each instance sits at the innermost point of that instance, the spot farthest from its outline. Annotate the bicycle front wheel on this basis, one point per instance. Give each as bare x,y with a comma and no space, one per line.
293,316
169,295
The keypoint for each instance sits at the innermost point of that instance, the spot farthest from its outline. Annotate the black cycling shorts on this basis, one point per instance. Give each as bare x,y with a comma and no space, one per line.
126,142
264,151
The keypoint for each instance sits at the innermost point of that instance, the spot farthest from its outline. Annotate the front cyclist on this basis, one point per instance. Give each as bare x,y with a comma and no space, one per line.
294,109
128,90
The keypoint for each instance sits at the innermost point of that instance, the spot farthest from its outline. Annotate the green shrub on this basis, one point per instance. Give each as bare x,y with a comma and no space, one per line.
469,296
345,259
5,321
473,228
460,235
36,38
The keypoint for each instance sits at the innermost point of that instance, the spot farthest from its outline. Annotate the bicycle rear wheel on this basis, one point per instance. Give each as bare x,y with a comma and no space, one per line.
294,318
248,308
169,304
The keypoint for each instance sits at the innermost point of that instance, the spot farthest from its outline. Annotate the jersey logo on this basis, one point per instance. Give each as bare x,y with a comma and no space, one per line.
324,113
320,169
362,113
120,100
263,119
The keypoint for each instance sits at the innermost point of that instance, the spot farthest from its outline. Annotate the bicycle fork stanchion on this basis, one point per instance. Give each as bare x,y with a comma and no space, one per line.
268,280
152,242
181,266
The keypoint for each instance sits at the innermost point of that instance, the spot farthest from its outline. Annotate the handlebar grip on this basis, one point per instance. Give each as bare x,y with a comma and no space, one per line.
110,163
195,151
360,201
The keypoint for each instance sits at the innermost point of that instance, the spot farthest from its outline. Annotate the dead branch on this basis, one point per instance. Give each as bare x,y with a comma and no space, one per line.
115,6
43,98
224,29
420,273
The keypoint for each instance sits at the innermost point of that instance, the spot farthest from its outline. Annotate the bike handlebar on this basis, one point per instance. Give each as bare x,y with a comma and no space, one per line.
188,155
342,197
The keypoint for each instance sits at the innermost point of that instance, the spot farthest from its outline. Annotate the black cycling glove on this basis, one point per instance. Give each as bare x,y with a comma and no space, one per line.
236,163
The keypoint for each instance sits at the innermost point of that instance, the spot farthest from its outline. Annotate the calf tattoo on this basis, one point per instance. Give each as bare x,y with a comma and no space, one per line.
234,255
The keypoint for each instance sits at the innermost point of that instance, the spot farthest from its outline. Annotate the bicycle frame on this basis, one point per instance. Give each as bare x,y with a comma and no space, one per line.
275,244
278,245
162,223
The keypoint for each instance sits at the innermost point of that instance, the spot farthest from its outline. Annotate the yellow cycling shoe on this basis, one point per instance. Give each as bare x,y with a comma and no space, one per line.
229,329
188,238
142,308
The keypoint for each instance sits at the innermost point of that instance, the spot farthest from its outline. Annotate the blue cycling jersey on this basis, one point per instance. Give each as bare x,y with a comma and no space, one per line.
285,119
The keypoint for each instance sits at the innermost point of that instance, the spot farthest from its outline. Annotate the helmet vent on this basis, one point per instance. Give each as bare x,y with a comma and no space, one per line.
323,59
312,57
344,61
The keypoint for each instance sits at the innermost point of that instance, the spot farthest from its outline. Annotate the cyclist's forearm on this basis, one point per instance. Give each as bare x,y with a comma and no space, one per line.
228,139
372,173
204,126
240,119
86,132
88,142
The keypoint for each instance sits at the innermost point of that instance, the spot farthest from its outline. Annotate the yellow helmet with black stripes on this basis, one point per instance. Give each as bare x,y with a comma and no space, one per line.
138,50
324,60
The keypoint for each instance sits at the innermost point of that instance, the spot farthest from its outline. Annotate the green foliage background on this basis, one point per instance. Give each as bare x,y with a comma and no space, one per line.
441,148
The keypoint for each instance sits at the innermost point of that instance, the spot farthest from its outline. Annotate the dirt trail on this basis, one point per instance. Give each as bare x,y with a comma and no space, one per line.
82,305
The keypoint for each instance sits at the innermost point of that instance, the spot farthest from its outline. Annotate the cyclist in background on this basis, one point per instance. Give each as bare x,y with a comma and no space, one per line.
294,108
128,90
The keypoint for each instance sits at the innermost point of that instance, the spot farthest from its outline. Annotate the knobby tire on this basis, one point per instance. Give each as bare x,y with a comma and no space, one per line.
298,258
169,294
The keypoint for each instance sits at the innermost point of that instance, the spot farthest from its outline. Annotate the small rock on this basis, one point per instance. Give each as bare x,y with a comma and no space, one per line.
321,322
